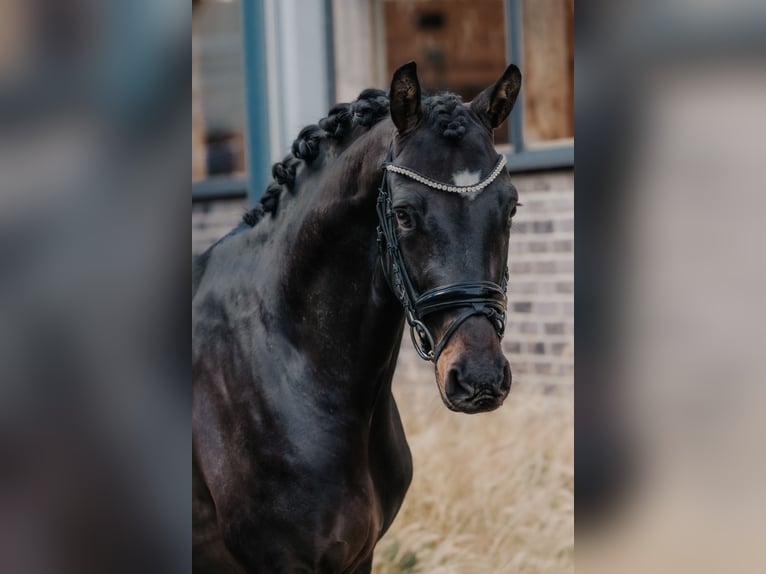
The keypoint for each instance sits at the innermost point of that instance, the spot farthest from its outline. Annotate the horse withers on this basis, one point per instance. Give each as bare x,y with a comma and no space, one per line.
395,210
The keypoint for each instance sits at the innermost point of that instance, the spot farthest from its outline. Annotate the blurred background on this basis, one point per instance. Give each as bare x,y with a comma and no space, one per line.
94,395
670,273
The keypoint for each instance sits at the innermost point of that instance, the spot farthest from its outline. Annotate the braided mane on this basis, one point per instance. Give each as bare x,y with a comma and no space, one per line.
445,114
369,108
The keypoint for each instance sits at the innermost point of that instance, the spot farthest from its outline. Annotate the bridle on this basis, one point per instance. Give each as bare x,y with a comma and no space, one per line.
476,298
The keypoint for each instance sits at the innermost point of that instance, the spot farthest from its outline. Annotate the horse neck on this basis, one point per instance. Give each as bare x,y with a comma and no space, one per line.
345,317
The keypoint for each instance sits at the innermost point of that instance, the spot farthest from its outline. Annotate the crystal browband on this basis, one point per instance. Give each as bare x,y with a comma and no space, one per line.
394,168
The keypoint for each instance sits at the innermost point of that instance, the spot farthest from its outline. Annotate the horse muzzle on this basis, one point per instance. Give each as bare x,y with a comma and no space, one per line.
472,373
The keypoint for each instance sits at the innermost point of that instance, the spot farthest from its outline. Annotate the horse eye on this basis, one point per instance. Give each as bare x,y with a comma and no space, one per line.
403,218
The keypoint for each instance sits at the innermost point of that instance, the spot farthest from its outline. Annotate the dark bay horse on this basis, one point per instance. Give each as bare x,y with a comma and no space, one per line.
395,209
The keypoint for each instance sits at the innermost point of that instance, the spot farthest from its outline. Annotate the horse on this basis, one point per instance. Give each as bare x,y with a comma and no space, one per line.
395,209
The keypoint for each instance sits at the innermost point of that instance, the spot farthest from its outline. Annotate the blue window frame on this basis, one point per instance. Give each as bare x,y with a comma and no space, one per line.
256,99
522,158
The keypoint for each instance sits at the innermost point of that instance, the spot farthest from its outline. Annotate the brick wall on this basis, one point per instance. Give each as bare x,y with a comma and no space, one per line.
539,338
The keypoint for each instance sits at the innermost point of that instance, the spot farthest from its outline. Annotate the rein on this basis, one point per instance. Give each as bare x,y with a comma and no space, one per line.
475,298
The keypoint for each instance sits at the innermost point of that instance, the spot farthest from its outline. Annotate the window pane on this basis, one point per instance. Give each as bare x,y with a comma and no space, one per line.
218,93
459,45
548,71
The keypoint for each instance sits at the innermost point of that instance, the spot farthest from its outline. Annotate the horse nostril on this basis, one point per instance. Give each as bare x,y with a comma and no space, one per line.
456,385
506,381
498,380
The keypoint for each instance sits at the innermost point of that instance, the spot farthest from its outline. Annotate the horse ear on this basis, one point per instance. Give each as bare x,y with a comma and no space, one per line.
404,98
496,102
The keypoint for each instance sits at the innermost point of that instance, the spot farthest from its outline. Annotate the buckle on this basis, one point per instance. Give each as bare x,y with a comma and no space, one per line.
422,340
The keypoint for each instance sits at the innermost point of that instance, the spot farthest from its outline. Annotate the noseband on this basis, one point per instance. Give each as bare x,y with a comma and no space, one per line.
478,298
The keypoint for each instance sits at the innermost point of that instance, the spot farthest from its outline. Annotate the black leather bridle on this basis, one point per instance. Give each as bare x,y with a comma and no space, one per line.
478,298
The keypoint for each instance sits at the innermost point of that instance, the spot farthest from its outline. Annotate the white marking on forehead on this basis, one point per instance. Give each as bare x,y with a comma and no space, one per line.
465,177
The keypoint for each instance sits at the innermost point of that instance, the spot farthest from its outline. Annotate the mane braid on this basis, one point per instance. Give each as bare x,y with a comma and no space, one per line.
446,115
284,171
338,122
306,145
370,107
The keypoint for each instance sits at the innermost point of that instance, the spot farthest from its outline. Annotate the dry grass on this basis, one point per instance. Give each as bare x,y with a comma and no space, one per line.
492,493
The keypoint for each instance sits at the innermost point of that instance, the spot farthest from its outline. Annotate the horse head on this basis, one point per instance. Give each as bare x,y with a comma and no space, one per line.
445,210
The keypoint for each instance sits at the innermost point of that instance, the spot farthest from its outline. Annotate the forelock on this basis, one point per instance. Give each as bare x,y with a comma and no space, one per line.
446,115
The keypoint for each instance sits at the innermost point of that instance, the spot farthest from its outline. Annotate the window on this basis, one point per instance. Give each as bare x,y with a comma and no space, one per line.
459,45
462,46
547,51
218,96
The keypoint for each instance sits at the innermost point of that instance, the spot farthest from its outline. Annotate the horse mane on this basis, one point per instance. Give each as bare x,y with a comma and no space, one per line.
367,110
445,114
